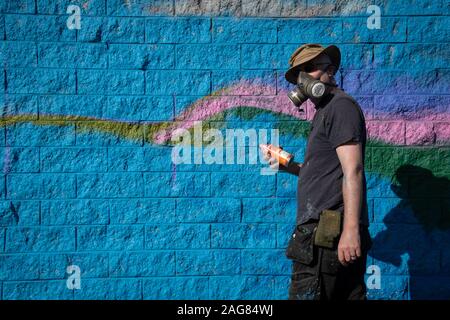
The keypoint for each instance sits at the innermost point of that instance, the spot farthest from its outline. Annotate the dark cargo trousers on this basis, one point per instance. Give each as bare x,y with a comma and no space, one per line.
324,278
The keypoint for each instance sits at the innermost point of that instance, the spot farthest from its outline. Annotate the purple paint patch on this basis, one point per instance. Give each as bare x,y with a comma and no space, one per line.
442,130
420,133
387,131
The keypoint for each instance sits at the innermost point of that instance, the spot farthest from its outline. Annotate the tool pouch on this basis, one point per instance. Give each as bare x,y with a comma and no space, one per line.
328,229
301,244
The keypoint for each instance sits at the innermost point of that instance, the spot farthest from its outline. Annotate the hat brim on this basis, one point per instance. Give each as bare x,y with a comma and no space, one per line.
332,51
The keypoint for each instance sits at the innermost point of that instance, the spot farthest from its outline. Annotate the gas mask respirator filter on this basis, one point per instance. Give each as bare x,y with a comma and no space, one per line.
307,87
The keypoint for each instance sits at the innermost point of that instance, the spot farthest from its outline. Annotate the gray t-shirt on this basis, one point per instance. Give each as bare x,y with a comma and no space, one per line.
338,120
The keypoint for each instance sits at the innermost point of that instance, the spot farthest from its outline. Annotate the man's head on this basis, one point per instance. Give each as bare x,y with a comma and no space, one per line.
321,68
319,62
312,71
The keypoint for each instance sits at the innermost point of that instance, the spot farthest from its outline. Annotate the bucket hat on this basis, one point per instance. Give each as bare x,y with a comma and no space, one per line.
306,53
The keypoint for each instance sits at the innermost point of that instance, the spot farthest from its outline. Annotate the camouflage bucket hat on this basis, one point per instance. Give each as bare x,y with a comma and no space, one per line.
306,53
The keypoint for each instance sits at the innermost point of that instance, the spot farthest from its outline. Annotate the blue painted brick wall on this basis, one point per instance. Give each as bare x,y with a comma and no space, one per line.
141,228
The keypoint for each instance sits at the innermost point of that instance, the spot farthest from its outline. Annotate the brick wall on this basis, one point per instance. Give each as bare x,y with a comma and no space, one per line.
88,177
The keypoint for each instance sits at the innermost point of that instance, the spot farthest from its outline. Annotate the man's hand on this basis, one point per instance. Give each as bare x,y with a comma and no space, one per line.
273,162
293,168
349,247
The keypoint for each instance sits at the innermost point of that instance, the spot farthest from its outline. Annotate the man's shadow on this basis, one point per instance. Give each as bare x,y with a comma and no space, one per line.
415,238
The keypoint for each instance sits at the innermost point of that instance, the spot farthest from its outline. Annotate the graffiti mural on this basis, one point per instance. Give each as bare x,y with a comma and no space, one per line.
87,129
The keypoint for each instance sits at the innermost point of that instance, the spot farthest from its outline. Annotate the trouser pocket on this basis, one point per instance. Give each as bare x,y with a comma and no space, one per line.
305,282
330,261
301,244
306,287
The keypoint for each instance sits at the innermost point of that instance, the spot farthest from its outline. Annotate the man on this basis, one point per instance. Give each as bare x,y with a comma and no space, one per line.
331,178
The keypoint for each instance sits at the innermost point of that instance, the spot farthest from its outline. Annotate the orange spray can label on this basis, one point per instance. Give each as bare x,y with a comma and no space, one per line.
278,153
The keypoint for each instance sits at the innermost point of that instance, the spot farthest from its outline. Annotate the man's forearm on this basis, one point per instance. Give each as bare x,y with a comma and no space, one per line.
293,168
352,189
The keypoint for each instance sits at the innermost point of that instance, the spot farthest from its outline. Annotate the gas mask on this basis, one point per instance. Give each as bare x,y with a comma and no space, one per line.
307,87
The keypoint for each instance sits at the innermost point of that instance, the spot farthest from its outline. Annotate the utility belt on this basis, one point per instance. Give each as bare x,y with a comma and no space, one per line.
324,233
321,234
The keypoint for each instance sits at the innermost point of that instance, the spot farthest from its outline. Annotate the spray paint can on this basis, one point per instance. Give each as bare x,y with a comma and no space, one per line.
283,157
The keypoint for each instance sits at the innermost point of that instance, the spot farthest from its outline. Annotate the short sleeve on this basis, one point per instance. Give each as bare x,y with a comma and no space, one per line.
345,122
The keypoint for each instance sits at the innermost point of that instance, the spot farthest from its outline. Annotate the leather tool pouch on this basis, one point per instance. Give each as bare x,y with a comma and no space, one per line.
301,244
328,229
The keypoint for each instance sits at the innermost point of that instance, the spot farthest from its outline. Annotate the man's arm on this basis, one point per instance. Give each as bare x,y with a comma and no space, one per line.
292,168
350,156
